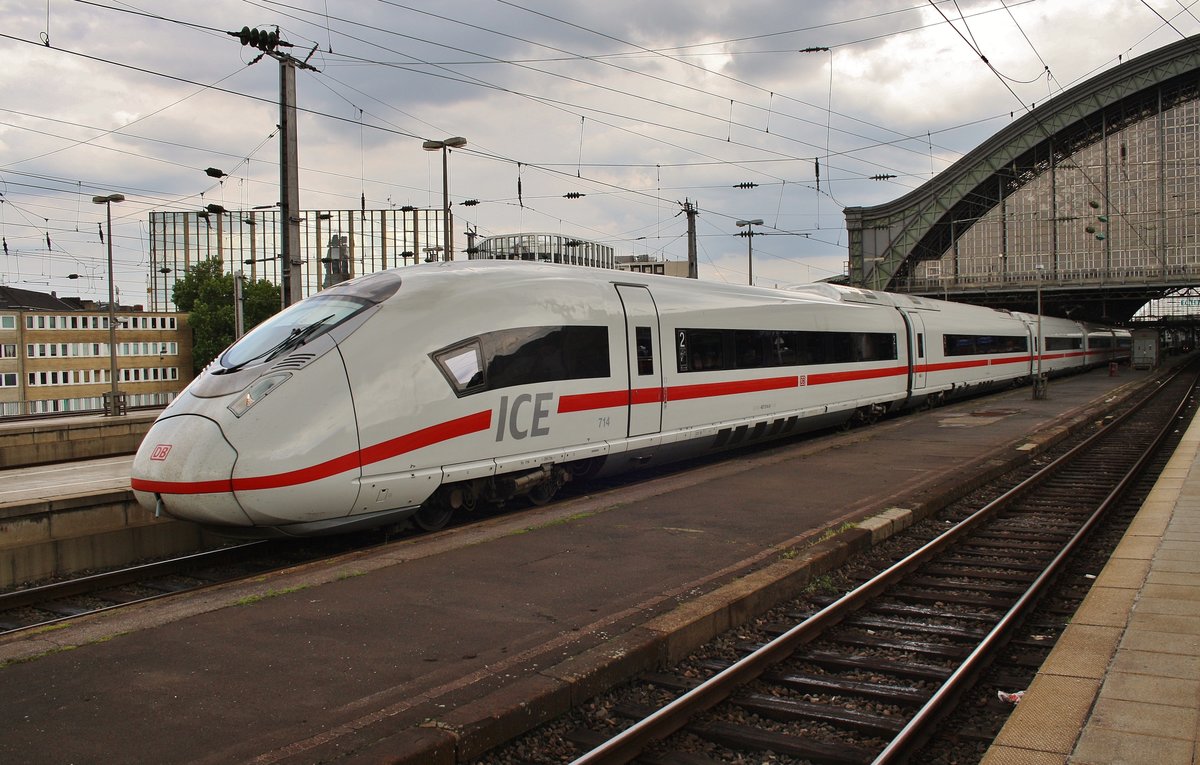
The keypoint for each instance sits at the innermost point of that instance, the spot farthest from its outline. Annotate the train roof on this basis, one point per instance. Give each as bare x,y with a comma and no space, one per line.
845,294
508,273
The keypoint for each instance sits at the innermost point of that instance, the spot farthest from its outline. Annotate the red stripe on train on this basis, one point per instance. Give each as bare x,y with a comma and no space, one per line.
434,434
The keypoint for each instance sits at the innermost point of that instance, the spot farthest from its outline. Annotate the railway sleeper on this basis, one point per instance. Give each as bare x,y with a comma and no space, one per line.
911,670
937,650
979,735
1031,660
1043,532
945,630
668,681
741,736
585,739
677,758
965,582
974,571
1029,550
962,599
1037,537
170,584
865,620
904,695
1057,493
892,608
790,710
967,558
62,608
121,596
1076,504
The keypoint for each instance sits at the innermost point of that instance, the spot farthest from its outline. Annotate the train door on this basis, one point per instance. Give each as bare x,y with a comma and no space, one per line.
645,369
917,351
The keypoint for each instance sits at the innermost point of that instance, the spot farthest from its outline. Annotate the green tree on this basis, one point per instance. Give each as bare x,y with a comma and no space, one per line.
206,295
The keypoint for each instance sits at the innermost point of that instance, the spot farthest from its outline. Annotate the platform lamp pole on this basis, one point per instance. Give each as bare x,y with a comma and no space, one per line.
112,408
750,224
444,146
1039,382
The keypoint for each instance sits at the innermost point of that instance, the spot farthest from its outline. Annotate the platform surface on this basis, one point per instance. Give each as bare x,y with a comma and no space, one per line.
413,648
31,484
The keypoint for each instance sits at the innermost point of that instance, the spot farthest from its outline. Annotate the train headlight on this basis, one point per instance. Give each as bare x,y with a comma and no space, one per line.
257,391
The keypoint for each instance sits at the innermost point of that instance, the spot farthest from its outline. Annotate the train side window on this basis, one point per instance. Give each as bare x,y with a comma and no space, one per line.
920,345
1064,343
716,349
462,366
701,349
524,356
645,350
978,345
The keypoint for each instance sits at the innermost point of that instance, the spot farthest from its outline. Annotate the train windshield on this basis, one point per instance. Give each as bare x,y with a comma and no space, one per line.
291,328
308,319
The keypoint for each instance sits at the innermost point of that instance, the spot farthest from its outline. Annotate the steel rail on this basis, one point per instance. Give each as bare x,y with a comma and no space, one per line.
628,744
30,597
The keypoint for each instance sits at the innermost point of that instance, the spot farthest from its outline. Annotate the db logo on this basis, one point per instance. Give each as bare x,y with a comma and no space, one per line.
160,452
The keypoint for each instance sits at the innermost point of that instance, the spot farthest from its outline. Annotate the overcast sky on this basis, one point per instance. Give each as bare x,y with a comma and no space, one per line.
637,105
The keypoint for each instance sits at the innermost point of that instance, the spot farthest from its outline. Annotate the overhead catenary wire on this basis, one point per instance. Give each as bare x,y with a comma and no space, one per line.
783,179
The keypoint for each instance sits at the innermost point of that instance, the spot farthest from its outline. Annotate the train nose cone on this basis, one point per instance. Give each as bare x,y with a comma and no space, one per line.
186,463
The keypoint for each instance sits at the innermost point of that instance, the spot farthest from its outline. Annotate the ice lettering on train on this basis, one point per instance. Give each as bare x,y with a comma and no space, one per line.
514,417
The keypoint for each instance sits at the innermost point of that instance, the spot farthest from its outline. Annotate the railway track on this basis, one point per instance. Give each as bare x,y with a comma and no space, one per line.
48,604
866,678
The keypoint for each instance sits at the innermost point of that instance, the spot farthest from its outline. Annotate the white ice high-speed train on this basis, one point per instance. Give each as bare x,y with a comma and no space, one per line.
412,393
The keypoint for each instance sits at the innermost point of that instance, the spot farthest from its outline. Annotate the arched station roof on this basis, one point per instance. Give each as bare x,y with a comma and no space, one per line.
1051,201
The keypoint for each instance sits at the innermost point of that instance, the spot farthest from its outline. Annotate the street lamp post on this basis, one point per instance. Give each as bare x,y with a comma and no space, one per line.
113,407
444,146
750,224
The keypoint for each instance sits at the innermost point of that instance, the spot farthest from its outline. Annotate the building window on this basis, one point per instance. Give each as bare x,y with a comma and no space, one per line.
8,322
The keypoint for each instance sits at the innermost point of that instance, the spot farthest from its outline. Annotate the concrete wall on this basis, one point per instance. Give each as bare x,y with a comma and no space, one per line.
40,442
71,534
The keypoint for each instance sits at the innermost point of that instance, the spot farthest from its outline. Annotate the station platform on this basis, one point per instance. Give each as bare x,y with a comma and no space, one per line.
54,440
432,649
1122,685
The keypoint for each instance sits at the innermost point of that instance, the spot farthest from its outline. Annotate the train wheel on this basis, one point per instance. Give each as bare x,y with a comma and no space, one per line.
543,492
433,516
470,499
586,468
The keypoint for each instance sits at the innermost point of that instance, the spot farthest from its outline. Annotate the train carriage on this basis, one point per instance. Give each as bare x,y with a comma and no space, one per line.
1062,348
414,393
1107,345
752,361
